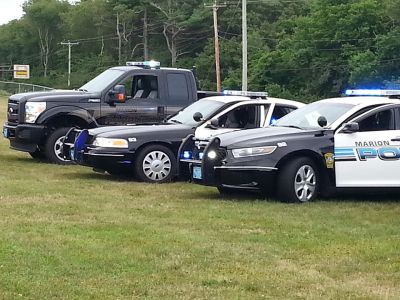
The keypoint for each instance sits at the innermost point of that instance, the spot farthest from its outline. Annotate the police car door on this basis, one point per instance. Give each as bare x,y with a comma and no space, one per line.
369,156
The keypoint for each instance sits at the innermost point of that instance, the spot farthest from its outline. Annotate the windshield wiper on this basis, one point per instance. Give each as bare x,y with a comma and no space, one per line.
83,90
289,126
175,121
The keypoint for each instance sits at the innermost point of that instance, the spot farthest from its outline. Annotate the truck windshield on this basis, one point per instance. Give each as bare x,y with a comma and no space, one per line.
98,83
206,107
307,116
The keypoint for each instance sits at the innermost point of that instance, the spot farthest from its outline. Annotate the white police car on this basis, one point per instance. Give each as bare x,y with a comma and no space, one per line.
329,144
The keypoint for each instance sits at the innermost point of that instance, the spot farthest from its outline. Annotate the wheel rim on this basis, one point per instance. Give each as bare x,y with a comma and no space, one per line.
156,165
305,183
58,149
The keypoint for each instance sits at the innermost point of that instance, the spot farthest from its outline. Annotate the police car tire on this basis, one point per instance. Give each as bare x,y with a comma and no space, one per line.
286,179
52,139
140,173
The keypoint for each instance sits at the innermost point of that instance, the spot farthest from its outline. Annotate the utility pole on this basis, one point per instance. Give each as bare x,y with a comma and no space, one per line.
244,45
215,7
69,44
145,36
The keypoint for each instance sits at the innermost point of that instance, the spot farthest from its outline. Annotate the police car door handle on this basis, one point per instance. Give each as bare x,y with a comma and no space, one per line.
396,139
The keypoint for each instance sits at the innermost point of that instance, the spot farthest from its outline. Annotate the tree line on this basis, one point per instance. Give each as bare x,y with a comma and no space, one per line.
299,49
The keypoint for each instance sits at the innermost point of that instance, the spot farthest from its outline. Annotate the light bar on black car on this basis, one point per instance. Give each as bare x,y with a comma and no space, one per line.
245,94
151,64
372,92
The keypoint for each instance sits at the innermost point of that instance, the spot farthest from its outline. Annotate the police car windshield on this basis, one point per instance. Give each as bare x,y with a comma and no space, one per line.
206,107
307,116
98,83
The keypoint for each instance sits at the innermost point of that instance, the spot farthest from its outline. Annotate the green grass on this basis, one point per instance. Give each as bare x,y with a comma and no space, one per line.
69,233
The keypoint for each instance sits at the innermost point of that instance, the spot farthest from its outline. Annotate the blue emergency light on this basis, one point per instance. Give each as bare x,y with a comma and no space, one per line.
372,92
187,155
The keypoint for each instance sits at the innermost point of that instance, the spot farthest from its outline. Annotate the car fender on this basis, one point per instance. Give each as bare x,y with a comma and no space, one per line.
74,111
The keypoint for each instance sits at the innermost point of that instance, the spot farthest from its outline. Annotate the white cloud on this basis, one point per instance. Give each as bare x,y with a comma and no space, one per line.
10,10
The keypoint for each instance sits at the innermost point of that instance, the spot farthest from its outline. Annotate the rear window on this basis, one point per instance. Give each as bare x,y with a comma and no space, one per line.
178,88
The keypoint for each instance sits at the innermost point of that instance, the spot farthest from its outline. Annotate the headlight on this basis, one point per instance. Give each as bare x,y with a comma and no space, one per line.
244,152
212,154
110,143
33,110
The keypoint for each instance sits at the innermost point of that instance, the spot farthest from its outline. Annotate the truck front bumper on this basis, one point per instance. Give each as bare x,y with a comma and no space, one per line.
24,137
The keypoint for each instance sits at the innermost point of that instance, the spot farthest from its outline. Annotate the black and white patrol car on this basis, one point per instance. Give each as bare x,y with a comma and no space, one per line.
150,151
329,144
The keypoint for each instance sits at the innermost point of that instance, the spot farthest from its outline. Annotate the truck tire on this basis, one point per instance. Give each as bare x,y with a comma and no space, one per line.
53,147
155,164
298,181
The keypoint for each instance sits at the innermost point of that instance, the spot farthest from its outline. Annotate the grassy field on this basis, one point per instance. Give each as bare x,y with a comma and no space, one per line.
69,233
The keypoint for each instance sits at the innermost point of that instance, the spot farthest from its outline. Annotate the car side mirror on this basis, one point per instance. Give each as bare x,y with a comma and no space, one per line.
350,127
213,124
117,94
198,117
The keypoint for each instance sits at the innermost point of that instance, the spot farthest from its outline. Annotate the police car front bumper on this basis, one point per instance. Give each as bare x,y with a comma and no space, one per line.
104,160
241,177
77,147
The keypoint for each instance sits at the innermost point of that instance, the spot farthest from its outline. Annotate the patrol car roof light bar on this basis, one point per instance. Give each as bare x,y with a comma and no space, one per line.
151,64
374,92
262,95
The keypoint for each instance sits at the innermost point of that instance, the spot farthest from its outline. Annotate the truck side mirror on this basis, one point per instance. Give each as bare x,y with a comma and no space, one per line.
117,94
198,117
350,127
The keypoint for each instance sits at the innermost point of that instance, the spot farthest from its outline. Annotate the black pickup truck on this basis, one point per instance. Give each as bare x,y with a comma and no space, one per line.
139,93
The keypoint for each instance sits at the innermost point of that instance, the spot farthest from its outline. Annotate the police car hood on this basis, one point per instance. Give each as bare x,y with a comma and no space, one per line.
158,131
53,96
260,136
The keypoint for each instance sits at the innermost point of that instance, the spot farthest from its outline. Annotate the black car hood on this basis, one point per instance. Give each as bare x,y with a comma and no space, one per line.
261,136
54,96
142,130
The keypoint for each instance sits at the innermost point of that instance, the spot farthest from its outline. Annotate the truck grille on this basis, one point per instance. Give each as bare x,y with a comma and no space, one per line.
12,111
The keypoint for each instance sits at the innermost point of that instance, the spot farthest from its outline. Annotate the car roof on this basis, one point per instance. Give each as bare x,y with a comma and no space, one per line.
363,100
359,102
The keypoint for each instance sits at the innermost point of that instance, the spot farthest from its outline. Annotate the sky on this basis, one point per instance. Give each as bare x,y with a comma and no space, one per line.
10,10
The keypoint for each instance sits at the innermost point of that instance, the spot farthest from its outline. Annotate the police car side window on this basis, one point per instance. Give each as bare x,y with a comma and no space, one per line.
281,111
244,116
382,120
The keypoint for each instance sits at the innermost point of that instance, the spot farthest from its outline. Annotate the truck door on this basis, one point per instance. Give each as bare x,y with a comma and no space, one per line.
370,156
178,92
142,105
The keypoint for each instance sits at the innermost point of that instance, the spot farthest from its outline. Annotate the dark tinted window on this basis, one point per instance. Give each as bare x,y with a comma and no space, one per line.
177,88
281,111
383,120
241,117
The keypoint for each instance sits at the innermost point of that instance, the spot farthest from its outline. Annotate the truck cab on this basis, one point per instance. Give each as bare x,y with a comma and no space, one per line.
138,93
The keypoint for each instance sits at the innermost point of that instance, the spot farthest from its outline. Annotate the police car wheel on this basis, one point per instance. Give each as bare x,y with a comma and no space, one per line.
298,181
155,164
53,147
